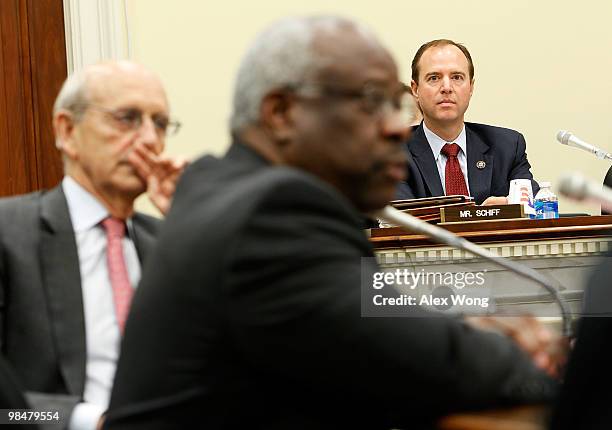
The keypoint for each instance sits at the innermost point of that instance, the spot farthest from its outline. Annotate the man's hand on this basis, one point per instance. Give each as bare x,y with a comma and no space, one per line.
100,424
160,172
493,200
546,348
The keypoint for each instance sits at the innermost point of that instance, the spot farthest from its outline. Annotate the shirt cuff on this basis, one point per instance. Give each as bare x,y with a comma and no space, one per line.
85,416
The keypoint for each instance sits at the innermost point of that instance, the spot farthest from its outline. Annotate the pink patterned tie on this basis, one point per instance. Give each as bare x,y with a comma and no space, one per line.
117,270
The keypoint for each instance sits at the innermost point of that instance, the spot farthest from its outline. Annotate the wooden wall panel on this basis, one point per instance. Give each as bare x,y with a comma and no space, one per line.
16,175
4,119
48,60
32,68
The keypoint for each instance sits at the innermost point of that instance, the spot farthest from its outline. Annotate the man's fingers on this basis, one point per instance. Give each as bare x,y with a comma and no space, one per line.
526,331
147,154
161,173
495,200
179,163
151,164
142,167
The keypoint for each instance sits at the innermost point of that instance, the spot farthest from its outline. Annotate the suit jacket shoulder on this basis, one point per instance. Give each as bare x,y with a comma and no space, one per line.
19,209
491,129
245,185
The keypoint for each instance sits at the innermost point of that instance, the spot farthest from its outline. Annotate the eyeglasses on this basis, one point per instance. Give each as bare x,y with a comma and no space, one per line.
372,98
130,119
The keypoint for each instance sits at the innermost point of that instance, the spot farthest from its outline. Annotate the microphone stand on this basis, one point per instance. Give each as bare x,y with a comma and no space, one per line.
447,238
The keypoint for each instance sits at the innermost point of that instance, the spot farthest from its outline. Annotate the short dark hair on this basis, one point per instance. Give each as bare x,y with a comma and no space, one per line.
439,42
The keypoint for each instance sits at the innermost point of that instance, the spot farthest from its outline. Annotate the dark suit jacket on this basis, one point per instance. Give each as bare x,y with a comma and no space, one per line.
42,327
502,149
249,316
11,395
585,398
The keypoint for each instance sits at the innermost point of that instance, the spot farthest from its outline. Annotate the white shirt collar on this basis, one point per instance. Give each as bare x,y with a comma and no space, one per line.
436,142
85,210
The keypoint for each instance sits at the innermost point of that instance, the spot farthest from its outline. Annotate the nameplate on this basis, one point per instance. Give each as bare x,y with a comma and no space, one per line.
479,213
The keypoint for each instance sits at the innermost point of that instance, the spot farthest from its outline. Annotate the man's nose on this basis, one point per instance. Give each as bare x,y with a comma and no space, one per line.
149,135
446,85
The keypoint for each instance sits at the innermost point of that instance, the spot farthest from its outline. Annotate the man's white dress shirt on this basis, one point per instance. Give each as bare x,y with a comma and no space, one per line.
101,328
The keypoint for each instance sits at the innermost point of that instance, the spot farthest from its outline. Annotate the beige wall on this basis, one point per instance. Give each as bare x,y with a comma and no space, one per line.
541,66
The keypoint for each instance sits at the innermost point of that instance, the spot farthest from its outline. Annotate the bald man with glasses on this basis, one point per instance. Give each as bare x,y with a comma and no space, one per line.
71,257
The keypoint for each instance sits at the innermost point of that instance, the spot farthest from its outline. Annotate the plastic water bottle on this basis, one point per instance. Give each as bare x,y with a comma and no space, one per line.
546,203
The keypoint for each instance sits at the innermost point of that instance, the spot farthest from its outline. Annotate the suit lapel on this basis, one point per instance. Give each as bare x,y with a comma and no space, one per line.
426,163
143,237
62,282
479,179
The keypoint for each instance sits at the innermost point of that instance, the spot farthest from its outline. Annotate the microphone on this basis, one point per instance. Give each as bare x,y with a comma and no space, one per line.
567,138
577,187
438,234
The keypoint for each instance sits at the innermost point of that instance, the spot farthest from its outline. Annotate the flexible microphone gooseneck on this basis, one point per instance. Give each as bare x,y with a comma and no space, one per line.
445,237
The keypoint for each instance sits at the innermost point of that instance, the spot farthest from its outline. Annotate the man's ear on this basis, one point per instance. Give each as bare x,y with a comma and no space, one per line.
415,88
64,127
472,87
275,115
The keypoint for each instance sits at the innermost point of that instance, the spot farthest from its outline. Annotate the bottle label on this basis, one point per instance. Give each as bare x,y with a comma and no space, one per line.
546,209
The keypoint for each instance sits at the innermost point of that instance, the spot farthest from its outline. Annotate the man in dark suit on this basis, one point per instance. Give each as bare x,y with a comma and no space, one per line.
63,301
264,248
449,156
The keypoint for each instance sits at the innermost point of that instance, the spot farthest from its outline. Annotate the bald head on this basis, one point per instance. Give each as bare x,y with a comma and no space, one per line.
92,82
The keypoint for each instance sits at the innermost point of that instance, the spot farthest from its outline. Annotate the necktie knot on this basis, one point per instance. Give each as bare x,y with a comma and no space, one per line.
114,227
451,149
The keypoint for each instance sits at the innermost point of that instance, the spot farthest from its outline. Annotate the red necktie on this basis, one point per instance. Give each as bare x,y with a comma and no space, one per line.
455,182
117,270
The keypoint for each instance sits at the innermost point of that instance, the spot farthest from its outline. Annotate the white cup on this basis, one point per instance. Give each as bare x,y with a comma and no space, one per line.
521,192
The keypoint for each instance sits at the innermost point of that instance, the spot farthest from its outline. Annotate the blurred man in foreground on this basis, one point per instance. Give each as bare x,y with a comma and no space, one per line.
450,156
263,250
71,257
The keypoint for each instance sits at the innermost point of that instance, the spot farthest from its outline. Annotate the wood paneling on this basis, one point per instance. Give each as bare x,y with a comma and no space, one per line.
16,175
33,67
